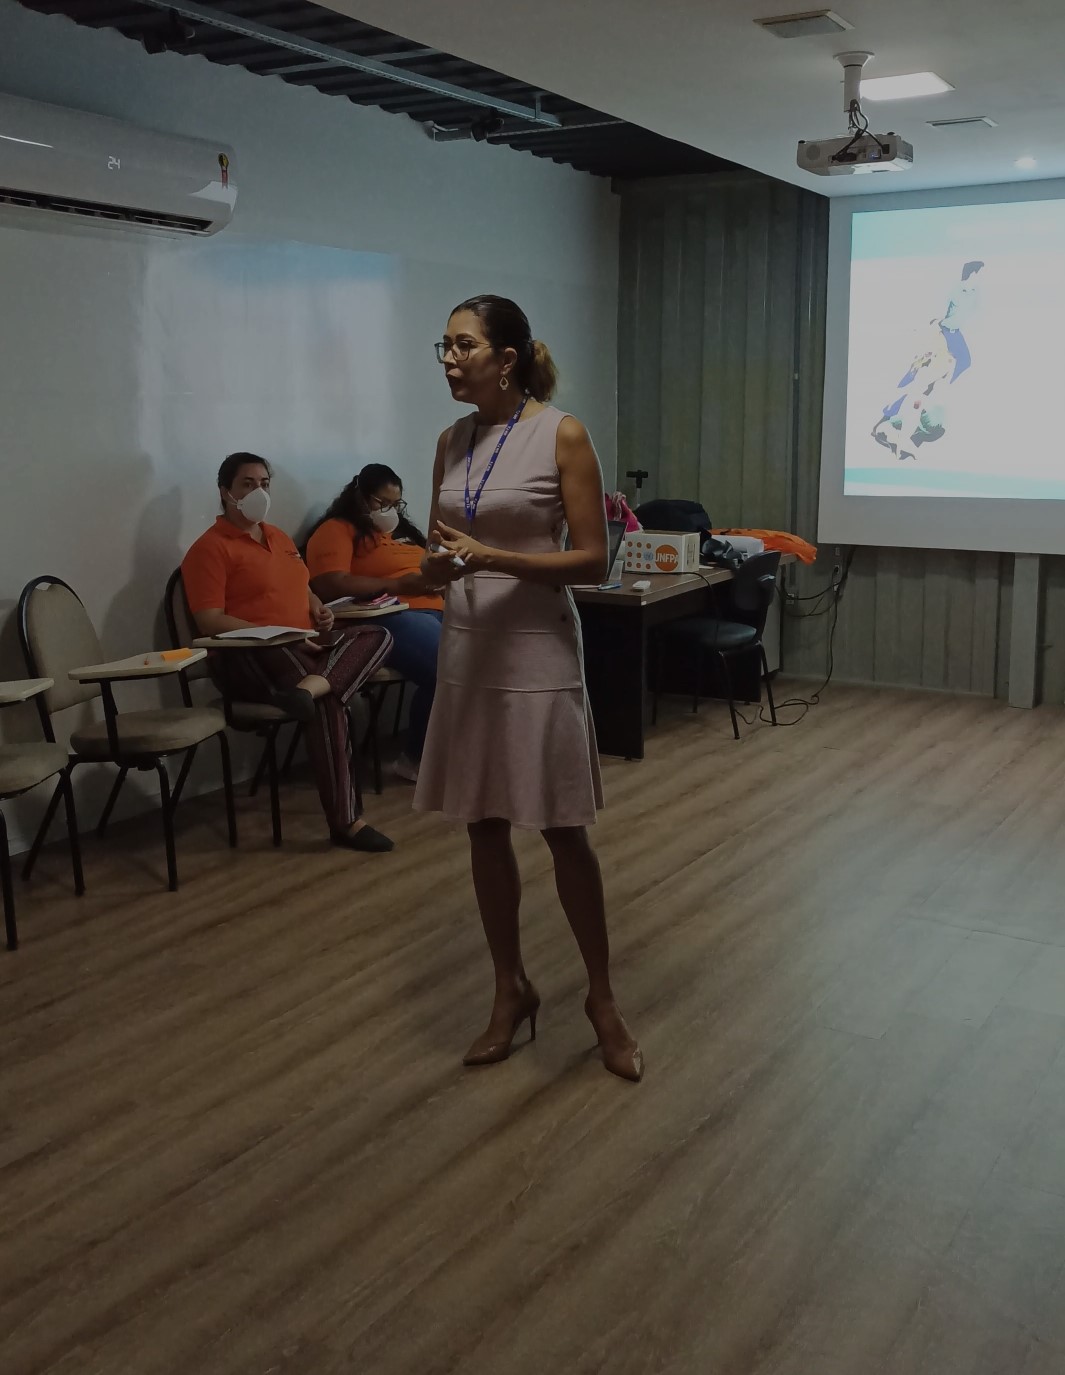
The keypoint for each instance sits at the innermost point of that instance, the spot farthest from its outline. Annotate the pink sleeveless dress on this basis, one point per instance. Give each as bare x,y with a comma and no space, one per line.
511,731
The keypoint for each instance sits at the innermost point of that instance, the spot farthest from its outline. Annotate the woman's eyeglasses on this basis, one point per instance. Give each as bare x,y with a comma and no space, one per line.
460,350
400,507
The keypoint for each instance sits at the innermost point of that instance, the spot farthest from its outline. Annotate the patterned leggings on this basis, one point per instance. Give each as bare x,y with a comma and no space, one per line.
251,674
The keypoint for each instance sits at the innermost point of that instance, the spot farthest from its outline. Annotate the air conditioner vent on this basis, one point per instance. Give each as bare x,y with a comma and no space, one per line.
28,200
964,122
806,25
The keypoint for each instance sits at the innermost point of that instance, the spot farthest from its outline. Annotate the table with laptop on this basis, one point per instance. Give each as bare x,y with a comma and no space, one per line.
618,620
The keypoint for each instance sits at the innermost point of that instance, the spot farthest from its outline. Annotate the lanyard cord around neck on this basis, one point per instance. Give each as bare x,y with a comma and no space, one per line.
472,502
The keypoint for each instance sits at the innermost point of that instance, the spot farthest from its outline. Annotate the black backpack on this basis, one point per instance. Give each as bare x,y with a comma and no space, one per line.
676,517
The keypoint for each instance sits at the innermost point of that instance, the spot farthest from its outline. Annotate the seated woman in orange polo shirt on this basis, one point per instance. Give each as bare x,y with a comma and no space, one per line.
365,546
242,572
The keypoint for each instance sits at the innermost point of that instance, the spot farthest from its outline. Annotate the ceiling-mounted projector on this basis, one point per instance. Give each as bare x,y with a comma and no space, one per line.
860,150
829,157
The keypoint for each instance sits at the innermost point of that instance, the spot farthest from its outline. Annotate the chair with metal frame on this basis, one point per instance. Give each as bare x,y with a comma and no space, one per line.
59,640
263,719
22,767
375,694
266,720
750,595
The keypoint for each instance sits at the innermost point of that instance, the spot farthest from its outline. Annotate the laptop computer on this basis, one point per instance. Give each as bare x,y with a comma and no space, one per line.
615,535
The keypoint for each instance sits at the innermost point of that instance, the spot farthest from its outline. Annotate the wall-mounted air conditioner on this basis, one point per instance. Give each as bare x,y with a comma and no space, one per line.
55,161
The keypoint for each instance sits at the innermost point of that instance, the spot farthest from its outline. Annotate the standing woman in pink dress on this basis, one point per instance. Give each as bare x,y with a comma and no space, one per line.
511,740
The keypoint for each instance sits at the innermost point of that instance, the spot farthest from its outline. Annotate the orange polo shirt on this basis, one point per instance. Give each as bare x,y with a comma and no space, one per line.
332,549
264,584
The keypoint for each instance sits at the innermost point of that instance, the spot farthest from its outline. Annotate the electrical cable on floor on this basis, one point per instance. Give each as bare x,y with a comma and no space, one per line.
835,591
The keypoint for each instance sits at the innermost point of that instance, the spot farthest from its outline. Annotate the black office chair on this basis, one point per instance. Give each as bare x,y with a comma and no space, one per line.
750,595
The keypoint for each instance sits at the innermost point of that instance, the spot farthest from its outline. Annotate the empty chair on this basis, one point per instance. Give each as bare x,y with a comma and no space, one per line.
22,767
750,595
57,637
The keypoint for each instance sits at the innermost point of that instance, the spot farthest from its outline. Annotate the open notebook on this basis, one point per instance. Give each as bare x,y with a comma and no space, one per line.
261,632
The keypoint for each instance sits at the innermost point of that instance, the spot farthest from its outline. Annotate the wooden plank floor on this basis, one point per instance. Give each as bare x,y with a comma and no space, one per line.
236,1138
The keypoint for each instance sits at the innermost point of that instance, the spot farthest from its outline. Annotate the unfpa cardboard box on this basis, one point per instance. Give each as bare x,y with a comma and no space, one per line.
654,551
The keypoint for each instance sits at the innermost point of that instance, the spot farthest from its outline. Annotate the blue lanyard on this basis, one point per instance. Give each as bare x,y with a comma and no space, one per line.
473,502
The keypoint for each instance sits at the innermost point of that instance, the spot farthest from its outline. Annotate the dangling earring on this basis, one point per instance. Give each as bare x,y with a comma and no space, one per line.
504,382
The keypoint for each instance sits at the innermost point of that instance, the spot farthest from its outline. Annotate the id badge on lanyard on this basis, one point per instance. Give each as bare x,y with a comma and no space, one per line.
472,502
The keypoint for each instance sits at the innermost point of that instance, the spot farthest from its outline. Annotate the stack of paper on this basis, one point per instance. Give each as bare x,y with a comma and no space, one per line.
351,603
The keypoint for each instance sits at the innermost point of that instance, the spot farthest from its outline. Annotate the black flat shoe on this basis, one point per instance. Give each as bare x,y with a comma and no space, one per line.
366,839
295,702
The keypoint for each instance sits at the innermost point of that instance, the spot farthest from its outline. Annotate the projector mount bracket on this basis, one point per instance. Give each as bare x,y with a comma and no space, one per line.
853,64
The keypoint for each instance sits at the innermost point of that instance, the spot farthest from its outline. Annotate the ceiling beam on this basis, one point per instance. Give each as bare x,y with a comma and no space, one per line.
337,57
506,135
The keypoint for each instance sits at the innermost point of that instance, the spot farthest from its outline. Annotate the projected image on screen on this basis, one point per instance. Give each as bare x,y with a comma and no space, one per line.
956,374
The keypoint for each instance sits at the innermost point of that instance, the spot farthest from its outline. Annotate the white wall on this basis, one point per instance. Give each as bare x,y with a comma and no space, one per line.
129,366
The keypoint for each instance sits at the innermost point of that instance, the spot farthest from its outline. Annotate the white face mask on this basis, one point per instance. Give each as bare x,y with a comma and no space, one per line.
385,521
254,505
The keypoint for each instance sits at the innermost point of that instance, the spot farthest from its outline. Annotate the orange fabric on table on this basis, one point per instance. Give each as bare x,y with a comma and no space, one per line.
803,550
333,549
264,584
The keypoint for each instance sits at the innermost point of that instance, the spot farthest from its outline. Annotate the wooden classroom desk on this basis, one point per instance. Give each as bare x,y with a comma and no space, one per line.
616,626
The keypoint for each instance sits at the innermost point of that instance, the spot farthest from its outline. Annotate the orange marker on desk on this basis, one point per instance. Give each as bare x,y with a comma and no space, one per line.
169,656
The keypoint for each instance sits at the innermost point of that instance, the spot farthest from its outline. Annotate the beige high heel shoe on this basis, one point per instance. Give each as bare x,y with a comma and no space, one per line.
621,1055
492,1052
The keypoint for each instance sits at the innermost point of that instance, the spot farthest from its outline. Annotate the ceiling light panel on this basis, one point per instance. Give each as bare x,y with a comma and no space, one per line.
904,87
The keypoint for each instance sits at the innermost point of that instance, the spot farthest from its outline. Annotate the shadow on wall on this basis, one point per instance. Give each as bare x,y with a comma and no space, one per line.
288,496
313,513
134,620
